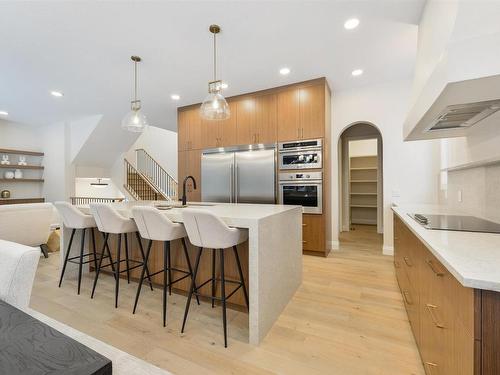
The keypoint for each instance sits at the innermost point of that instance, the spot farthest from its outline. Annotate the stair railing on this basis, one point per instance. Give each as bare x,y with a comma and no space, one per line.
138,185
153,171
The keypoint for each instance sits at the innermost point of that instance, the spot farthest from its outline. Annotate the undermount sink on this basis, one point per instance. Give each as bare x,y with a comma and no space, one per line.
169,206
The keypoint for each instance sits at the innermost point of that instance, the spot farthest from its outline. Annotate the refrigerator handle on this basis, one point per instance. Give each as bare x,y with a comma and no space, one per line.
236,184
231,178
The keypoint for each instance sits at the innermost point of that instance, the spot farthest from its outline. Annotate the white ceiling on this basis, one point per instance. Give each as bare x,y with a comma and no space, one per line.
83,49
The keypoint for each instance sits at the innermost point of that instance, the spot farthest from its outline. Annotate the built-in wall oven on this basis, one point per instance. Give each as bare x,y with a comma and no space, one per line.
302,189
306,154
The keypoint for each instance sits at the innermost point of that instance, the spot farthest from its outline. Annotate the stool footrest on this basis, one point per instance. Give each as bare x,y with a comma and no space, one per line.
86,255
196,293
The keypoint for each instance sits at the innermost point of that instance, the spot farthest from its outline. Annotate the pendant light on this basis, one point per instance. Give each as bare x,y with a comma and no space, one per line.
99,183
215,106
135,121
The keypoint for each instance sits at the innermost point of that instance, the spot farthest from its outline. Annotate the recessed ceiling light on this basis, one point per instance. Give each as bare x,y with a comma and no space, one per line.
351,23
284,71
224,85
357,72
4,113
57,94
175,97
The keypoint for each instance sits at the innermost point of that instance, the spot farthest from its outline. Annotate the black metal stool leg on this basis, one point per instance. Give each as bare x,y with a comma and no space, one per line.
166,277
80,265
143,259
106,236
213,278
197,264
93,248
117,283
67,256
104,246
223,295
148,250
126,258
169,265
189,267
235,249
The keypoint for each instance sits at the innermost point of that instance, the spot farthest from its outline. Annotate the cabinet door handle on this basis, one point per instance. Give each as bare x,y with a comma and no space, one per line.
302,132
408,262
432,266
298,132
304,224
430,307
407,299
304,241
430,367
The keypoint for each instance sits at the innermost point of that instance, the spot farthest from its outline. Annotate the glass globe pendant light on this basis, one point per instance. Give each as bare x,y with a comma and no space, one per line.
215,106
135,121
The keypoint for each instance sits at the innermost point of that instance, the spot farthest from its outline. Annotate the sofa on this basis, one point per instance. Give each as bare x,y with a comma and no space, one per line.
27,224
18,265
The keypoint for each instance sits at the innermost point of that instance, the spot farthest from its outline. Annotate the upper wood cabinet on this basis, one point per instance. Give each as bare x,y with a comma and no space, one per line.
256,119
301,113
288,115
312,111
285,114
189,129
219,133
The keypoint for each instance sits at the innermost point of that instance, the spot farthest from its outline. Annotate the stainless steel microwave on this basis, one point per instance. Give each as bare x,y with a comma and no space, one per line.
300,154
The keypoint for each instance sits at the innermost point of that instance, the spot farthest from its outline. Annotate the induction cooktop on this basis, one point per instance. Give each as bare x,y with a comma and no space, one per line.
456,223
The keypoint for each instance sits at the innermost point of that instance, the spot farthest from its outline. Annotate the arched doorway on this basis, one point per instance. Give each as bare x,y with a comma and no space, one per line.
360,179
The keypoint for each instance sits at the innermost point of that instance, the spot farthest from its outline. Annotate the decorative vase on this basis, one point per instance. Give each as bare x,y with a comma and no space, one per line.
5,194
5,160
9,175
18,174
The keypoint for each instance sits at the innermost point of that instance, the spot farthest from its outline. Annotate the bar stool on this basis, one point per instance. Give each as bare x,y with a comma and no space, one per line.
154,226
109,221
206,230
75,220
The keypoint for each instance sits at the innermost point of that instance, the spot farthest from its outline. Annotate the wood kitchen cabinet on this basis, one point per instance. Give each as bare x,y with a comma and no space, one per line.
189,164
219,133
256,119
301,113
449,321
313,233
189,129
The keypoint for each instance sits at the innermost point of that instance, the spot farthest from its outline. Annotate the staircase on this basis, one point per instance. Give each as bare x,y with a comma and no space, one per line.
149,181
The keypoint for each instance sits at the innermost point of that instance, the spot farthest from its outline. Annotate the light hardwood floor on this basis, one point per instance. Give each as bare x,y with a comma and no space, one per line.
347,318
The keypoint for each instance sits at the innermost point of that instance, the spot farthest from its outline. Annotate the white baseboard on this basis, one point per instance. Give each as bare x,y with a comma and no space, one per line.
364,221
333,245
388,250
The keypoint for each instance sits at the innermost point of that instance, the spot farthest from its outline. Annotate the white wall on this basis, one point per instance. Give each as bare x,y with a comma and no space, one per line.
161,144
363,147
410,169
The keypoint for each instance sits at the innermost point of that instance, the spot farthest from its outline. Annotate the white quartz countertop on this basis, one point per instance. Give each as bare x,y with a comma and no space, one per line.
234,214
473,258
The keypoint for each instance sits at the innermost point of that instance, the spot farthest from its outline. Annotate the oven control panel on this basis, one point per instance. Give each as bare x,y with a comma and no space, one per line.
301,176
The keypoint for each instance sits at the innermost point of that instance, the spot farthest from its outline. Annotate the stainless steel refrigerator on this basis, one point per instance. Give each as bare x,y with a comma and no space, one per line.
239,175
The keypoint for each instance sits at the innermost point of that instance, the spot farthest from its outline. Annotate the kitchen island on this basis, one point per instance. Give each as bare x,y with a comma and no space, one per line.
271,258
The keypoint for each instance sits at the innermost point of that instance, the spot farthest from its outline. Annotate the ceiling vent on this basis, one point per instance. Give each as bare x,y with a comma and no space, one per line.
462,116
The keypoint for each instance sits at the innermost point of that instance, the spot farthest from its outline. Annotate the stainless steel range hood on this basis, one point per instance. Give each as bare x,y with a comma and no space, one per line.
460,116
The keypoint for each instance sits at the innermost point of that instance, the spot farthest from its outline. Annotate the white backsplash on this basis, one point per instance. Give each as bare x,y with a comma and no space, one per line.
480,189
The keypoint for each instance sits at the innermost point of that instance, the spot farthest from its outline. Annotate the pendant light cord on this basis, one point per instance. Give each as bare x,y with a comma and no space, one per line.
135,80
215,57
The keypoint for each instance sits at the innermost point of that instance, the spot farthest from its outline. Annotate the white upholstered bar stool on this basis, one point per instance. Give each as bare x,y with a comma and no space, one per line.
110,221
75,220
206,230
155,226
